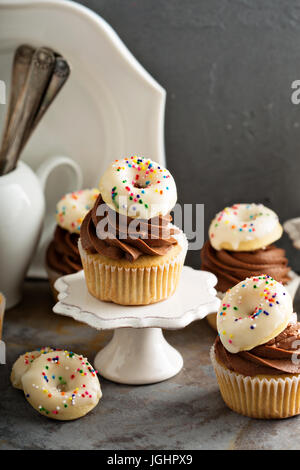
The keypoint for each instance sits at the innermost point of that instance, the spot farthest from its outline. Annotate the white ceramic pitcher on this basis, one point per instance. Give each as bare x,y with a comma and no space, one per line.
22,210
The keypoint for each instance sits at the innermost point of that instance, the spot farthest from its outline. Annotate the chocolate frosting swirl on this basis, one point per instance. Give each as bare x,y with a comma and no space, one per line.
273,357
62,254
118,238
231,267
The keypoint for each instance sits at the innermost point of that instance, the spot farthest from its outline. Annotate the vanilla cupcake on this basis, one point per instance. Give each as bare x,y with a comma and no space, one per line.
62,255
256,355
241,244
130,251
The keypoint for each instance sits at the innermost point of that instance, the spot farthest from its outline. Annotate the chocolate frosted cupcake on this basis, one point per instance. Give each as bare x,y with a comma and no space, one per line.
256,354
62,255
118,240
131,253
271,358
233,265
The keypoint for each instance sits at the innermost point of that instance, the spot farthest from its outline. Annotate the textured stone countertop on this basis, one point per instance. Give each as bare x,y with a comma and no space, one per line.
186,412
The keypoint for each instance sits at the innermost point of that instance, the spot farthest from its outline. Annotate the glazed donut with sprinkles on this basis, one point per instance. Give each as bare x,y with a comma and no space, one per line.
72,208
59,384
138,187
253,312
23,363
244,227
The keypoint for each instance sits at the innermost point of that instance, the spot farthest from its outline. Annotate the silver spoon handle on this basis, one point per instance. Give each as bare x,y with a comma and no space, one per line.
28,102
60,75
21,65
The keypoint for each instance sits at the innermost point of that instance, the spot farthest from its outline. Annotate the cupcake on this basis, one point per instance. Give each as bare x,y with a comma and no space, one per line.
130,251
256,355
241,244
62,255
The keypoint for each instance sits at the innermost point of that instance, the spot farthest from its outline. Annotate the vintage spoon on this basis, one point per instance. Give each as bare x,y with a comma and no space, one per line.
27,104
60,75
21,64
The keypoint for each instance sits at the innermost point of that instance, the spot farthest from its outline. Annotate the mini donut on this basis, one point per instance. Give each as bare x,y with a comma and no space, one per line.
73,207
59,384
138,187
244,227
23,363
253,312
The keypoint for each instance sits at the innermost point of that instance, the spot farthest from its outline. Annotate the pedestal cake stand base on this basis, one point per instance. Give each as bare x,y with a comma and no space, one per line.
138,356
138,352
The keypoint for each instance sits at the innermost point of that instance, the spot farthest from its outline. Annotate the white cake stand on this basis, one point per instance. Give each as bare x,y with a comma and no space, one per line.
138,352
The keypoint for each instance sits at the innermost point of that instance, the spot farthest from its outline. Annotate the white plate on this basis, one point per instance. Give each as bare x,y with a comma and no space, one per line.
109,108
292,228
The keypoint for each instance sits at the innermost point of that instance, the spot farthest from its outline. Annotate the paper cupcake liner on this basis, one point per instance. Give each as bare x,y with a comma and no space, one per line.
258,397
291,287
132,286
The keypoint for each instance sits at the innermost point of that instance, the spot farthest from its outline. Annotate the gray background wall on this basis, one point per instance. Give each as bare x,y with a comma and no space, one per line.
232,133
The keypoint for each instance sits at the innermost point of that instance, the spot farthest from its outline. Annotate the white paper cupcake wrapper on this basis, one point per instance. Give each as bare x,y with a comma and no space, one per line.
258,397
132,286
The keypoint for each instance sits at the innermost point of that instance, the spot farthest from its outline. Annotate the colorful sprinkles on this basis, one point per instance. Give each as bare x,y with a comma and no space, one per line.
267,294
241,222
72,208
65,378
146,170
130,187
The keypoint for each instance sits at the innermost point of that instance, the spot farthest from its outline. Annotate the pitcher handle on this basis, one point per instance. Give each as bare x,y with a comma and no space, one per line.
45,169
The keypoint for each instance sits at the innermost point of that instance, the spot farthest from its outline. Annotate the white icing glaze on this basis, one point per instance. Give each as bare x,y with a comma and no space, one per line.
23,363
73,207
59,384
253,312
241,223
139,188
